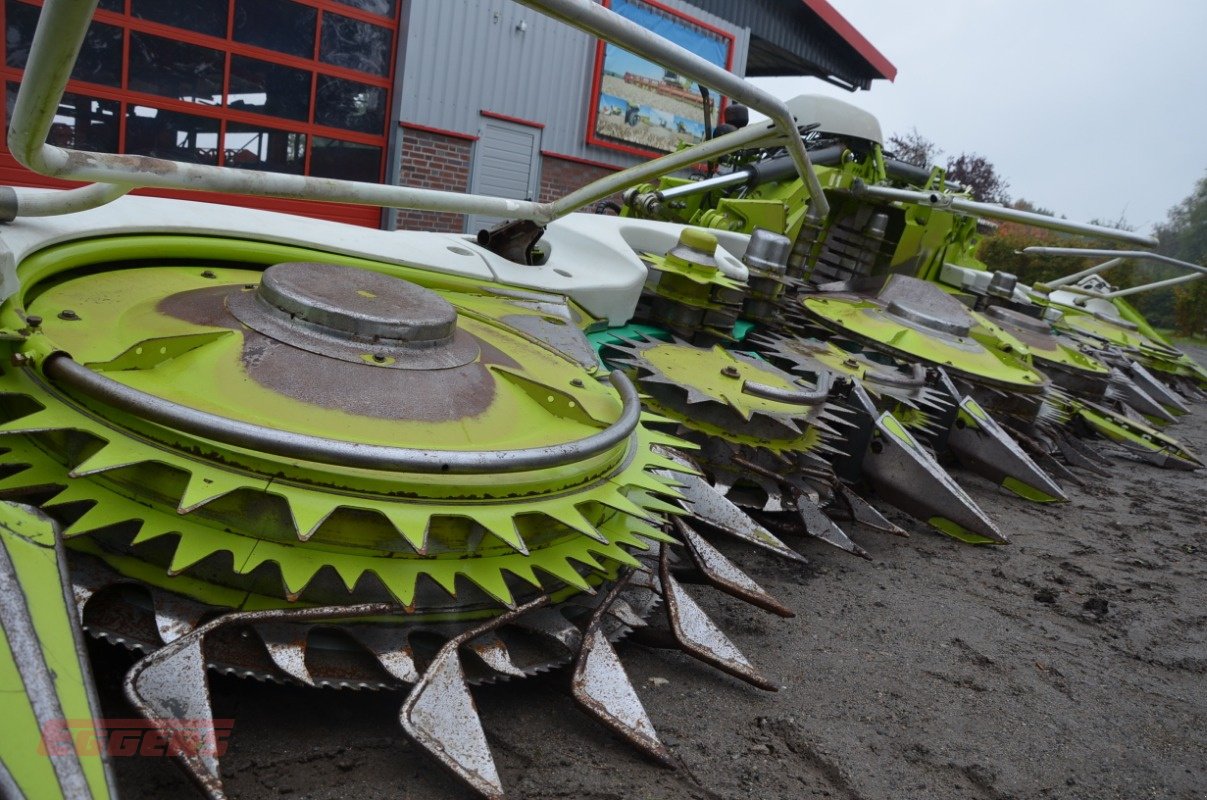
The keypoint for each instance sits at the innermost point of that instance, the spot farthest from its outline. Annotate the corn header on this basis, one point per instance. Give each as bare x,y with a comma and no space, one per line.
416,462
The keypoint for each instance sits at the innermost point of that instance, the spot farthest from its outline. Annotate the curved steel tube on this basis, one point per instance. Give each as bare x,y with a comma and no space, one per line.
60,32
34,203
61,369
779,395
916,378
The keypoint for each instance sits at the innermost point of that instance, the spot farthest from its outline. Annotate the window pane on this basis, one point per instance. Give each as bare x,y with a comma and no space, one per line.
348,104
354,44
19,32
332,158
269,89
100,58
257,147
117,6
172,135
203,16
280,25
82,122
384,7
174,69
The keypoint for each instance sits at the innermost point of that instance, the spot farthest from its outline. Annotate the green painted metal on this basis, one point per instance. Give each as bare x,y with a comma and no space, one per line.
569,526
28,539
987,354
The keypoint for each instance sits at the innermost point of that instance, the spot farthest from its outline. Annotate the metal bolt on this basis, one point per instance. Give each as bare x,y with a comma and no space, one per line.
20,359
209,273
577,382
730,372
68,314
33,321
379,358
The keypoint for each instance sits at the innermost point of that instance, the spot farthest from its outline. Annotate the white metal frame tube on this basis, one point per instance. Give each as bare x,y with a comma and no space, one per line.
973,208
594,18
1196,271
60,34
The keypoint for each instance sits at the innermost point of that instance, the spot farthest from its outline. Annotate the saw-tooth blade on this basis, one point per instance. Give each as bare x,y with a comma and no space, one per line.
286,645
865,513
170,686
391,647
699,636
494,654
821,527
176,616
440,716
725,575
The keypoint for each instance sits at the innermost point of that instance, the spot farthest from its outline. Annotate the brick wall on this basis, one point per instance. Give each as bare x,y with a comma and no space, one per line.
432,160
560,176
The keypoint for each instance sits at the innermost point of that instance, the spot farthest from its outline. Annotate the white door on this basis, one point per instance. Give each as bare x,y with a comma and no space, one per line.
506,164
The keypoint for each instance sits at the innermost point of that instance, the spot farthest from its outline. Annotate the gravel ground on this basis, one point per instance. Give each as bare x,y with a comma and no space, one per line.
1068,664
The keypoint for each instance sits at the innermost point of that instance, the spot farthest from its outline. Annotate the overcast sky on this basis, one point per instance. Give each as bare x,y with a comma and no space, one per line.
1092,108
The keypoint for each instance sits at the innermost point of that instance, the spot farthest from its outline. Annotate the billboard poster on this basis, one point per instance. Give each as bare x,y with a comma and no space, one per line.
641,108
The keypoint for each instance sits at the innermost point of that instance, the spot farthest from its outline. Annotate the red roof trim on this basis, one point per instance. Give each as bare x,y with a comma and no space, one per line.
847,31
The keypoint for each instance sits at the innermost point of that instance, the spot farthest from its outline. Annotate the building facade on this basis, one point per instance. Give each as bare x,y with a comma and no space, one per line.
485,96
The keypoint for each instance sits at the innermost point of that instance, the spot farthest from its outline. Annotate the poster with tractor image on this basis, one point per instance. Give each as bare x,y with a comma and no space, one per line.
642,108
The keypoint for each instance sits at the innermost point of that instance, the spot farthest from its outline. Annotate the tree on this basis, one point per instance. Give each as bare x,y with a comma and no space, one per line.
914,148
1184,236
975,173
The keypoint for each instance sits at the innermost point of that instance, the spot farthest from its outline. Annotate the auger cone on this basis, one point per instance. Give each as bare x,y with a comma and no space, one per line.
429,474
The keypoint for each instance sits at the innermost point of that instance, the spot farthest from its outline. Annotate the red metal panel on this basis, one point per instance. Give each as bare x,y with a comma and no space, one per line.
13,173
854,38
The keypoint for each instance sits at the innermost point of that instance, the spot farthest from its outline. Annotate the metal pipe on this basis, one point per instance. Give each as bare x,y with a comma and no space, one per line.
1190,276
762,172
33,203
973,208
609,185
1140,255
594,18
56,44
60,33
63,370
1076,276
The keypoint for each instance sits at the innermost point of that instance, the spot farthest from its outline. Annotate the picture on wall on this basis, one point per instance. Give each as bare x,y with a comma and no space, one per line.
642,108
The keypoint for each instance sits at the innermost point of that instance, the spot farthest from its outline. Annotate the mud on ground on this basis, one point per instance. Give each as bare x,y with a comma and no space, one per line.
1069,664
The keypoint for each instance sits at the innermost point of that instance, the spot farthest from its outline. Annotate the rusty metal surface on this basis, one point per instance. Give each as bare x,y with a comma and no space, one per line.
440,716
286,645
923,305
171,684
176,616
391,647
601,687
710,506
414,394
725,575
699,636
427,340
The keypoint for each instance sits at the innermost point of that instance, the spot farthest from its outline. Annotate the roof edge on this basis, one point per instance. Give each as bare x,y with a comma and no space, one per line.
853,37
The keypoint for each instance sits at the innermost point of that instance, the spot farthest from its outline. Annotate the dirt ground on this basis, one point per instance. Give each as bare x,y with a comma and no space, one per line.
1068,664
